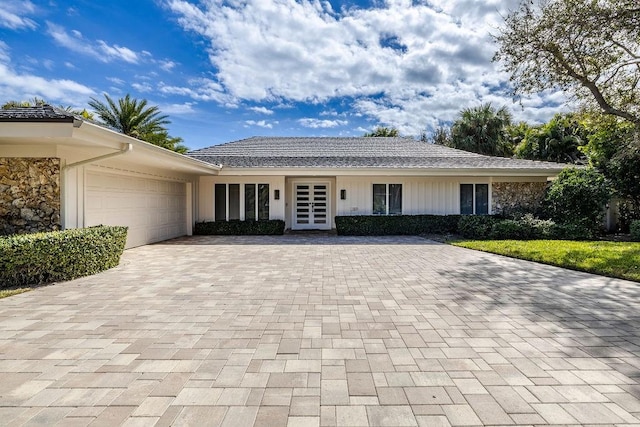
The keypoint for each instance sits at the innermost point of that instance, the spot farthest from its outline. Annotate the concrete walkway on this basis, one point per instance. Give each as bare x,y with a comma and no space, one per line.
313,330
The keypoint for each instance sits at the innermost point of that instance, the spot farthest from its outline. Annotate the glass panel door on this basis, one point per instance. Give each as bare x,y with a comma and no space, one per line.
319,206
303,204
312,208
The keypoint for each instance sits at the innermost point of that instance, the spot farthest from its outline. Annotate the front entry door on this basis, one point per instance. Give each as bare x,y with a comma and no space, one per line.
311,210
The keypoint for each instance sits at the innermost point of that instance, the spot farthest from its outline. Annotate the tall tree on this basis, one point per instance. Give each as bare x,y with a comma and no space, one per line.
130,116
382,131
588,48
135,118
482,130
559,140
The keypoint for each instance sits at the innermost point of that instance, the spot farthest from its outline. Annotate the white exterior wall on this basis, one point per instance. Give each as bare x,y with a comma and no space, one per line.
420,195
206,186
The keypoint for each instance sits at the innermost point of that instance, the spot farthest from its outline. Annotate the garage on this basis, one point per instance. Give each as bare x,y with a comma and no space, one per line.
153,209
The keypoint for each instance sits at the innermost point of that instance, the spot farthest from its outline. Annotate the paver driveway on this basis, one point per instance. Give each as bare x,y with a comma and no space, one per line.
311,330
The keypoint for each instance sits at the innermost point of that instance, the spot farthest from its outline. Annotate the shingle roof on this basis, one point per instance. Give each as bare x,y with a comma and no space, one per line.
321,152
44,113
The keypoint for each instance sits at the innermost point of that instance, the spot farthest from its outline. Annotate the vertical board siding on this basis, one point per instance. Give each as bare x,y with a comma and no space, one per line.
419,195
206,188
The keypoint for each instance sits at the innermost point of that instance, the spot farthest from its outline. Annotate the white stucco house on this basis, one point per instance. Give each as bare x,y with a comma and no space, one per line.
103,177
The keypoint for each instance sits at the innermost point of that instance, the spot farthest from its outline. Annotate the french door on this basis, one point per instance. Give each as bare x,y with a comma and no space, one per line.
311,206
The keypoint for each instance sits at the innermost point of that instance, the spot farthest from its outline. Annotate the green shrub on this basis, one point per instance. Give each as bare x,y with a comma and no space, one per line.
635,231
476,226
271,227
393,225
31,259
578,197
525,228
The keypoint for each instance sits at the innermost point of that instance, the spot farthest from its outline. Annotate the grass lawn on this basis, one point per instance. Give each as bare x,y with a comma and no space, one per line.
9,292
613,259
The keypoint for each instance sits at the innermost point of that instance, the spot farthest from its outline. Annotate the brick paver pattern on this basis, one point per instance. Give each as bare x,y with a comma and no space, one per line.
322,331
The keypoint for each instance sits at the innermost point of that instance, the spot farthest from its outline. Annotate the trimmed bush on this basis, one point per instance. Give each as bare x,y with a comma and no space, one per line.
635,231
272,227
525,228
32,259
476,226
394,225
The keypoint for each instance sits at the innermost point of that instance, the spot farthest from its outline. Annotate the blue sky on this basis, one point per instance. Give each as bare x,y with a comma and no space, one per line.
226,70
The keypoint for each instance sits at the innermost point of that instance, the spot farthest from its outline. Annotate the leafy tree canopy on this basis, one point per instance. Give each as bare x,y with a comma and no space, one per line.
382,131
480,130
559,140
588,48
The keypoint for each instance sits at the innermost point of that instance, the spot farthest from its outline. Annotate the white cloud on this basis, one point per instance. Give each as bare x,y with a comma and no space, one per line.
13,14
199,89
178,109
116,80
118,52
321,124
405,63
17,86
167,65
142,87
261,123
4,52
261,110
99,50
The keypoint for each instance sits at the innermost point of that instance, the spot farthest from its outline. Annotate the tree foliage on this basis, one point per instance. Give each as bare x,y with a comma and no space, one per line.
559,140
129,116
588,48
136,118
612,148
35,102
480,130
578,196
382,131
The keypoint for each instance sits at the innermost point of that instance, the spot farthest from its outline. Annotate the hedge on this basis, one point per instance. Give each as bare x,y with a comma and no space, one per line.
240,228
525,228
479,227
635,230
381,225
32,259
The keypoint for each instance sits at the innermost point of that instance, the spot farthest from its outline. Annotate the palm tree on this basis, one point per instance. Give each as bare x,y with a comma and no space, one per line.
130,116
382,131
482,130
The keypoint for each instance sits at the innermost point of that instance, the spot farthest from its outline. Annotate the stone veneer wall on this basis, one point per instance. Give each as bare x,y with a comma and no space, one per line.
29,194
516,197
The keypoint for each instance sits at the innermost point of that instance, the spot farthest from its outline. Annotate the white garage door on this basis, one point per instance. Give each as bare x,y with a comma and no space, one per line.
154,210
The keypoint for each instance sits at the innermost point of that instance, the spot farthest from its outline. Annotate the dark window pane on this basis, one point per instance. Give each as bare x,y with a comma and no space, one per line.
379,199
263,201
220,200
234,201
482,199
249,202
466,199
395,199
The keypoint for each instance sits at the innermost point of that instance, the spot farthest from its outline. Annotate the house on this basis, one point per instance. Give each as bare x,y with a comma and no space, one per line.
308,181
58,171
61,171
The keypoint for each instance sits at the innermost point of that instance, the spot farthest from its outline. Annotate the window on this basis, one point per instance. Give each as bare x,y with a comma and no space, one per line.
387,199
474,199
231,204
